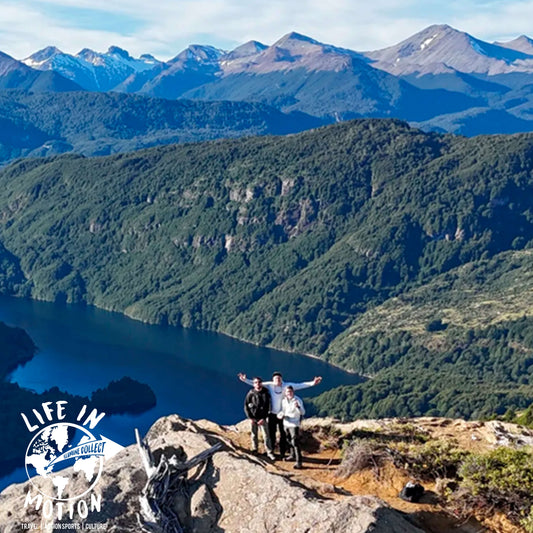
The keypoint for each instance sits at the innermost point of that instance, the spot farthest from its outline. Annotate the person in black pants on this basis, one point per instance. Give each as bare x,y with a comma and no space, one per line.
277,387
292,412
257,407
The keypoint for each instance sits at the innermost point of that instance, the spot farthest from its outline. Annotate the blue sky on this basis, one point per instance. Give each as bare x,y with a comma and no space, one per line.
165,27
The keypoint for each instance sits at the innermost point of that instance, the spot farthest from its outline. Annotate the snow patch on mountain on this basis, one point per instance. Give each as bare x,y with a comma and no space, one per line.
427,42
200,54
442,44
92,70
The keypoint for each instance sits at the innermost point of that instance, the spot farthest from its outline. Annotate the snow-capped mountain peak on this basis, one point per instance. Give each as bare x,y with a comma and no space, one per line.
86,53
119,52
202,54
38,58
91,70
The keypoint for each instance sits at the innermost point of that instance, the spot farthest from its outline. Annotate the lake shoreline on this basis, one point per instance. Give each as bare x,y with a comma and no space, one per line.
82,348
215,331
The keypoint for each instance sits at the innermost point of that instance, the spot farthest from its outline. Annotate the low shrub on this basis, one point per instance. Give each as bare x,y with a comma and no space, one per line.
502,478
360,454
527,523
432,460
526,418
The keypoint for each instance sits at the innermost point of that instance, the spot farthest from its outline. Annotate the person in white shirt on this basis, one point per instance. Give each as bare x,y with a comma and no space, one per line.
277,387
292,411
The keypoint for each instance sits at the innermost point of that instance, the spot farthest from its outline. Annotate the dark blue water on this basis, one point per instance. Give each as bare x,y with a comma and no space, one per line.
194,374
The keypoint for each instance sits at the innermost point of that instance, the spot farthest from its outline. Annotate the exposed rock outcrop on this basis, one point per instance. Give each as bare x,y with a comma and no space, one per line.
233,492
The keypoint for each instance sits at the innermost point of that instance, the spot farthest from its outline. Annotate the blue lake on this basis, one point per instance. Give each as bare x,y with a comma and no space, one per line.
194,374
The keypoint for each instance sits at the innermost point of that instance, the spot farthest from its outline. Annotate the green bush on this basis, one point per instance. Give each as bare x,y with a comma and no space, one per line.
527,523
503,477
505,470
526,418
432,460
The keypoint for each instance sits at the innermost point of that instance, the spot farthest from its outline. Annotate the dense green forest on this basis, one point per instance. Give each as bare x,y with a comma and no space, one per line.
398,254
89,123
17,349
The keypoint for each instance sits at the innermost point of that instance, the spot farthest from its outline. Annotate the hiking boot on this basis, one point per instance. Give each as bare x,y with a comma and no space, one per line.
297,466
271,456
289,458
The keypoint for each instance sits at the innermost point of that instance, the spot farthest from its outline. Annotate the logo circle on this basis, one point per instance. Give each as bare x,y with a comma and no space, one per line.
55,448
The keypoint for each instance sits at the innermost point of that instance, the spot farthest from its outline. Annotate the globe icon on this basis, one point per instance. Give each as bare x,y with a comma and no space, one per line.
56,448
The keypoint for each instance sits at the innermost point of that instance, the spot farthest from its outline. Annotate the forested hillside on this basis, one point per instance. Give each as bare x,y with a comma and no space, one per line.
88,123
17,348
386,250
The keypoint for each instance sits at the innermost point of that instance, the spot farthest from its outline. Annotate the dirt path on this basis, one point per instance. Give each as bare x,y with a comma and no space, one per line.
386,482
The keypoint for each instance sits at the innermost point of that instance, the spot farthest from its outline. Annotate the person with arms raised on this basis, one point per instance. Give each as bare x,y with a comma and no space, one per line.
277,387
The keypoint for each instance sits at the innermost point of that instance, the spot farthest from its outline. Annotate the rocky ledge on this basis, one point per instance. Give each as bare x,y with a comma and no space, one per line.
233,491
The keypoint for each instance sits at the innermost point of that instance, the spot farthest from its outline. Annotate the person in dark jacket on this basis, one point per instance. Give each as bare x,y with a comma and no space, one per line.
257,406
277,387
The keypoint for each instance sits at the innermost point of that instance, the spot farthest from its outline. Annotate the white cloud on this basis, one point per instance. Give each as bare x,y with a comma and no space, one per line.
499,21
19,38
167,26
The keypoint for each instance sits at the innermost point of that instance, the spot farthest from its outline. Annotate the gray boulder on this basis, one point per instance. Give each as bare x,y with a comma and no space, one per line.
232,492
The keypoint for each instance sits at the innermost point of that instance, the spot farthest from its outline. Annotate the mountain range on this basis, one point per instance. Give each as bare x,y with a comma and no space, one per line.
91,70
439,79
17,75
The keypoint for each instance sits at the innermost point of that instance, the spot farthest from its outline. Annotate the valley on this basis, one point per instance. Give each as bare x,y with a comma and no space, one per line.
296,242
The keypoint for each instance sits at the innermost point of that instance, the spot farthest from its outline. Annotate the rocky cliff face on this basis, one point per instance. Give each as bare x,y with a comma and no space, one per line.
233,491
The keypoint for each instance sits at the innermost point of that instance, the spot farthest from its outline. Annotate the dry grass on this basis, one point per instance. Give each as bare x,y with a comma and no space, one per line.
461,298
361,454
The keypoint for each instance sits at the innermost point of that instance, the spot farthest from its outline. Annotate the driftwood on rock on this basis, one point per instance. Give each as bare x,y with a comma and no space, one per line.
166,483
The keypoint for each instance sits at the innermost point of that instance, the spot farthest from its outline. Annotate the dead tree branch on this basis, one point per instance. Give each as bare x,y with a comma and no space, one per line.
166,481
